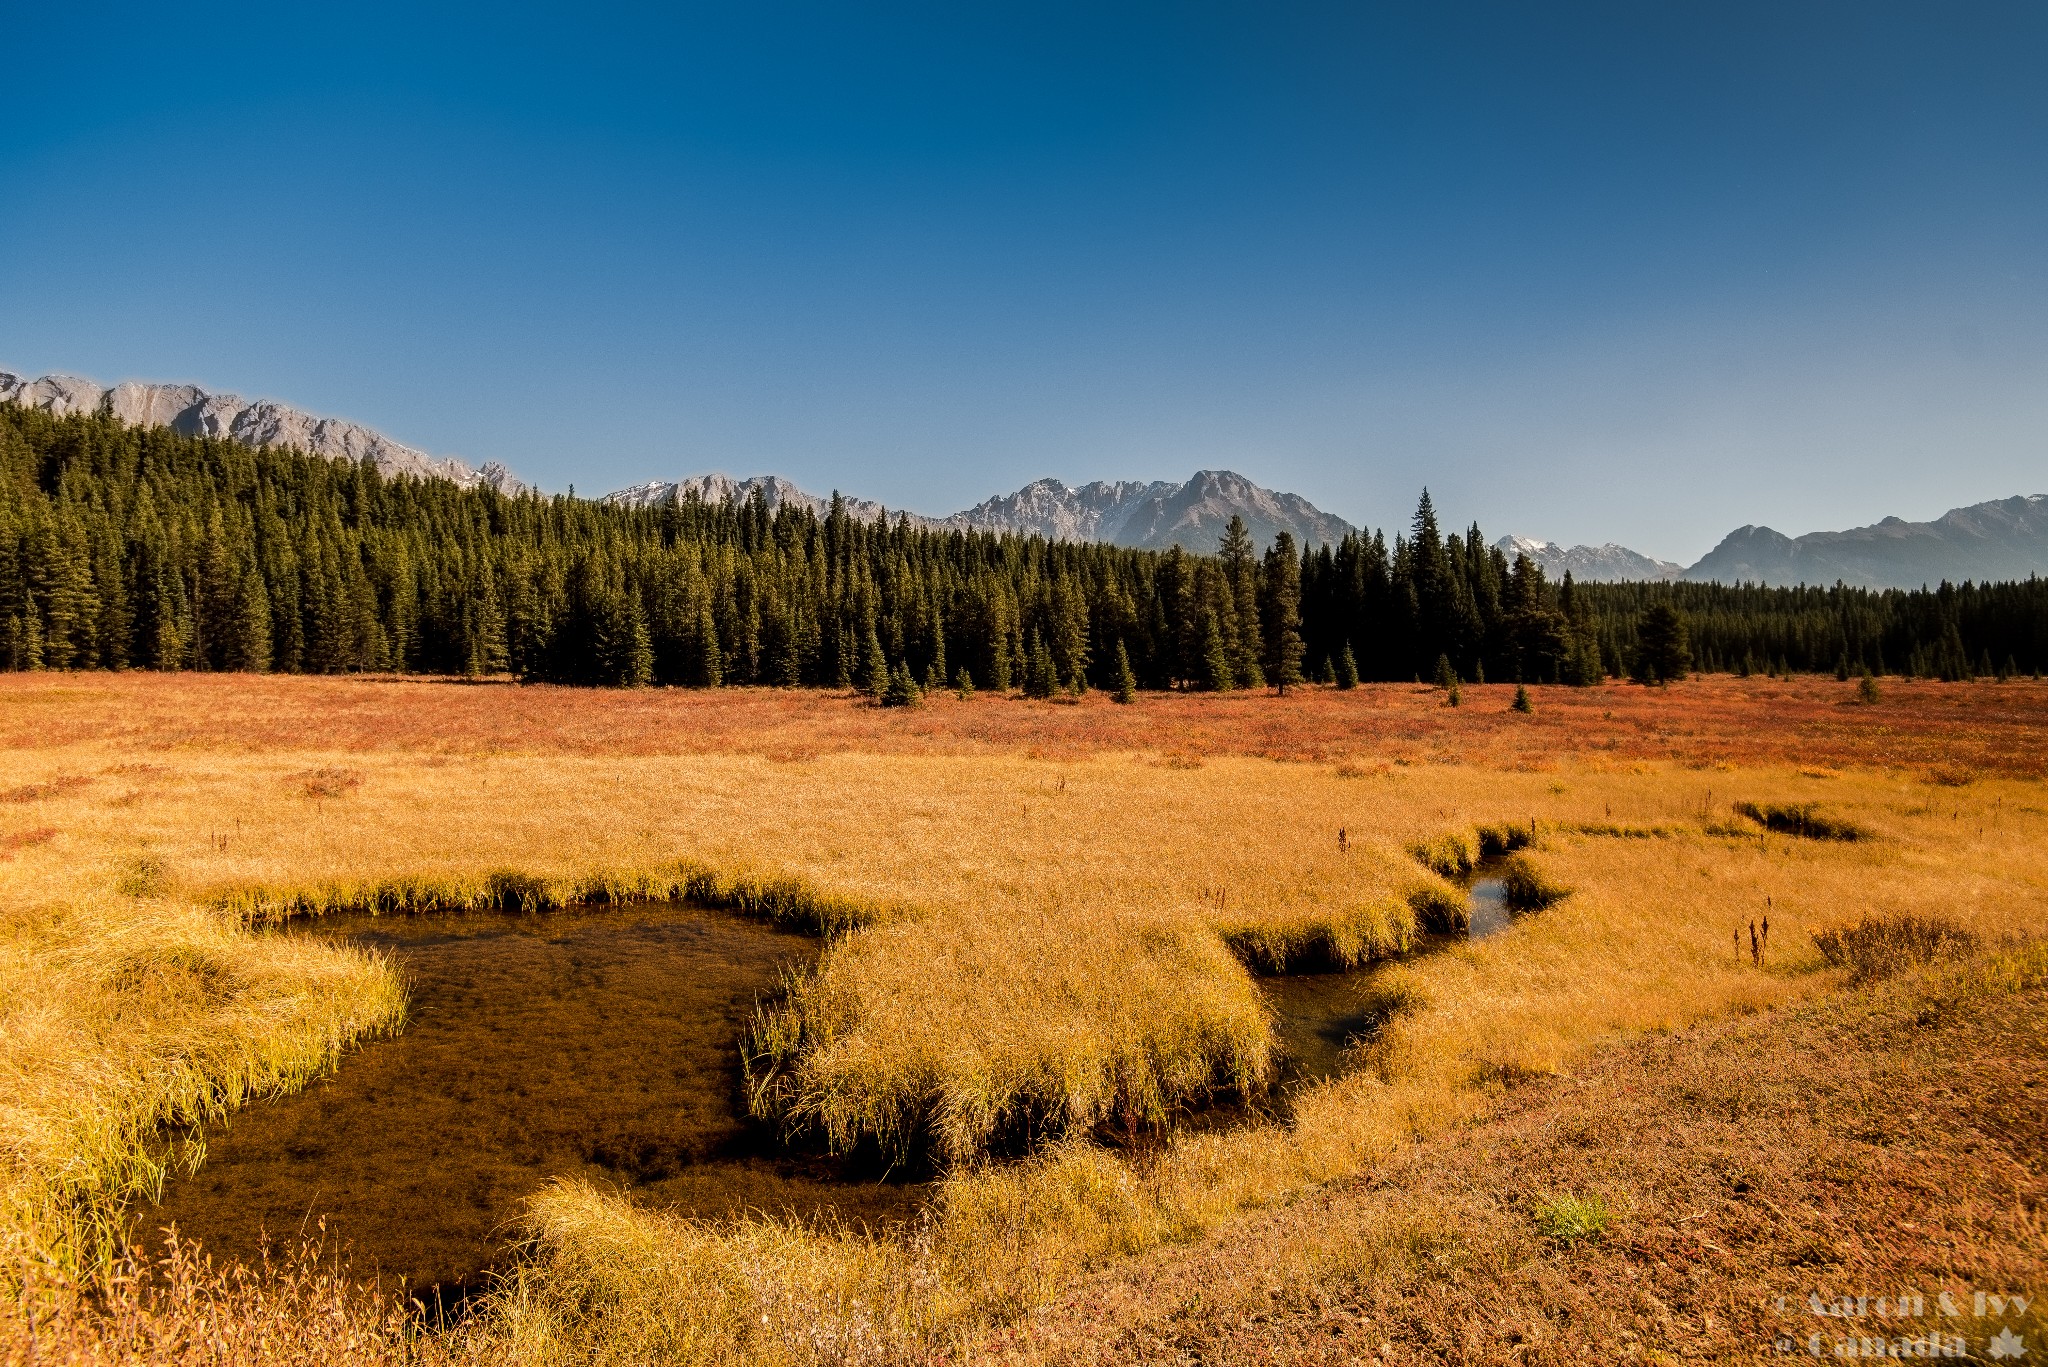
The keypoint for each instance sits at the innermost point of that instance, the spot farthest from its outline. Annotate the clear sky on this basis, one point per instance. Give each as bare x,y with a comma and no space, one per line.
1640,271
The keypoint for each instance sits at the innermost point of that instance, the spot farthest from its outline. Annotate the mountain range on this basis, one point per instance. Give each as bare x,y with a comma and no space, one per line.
2003,539
1125,512
194,412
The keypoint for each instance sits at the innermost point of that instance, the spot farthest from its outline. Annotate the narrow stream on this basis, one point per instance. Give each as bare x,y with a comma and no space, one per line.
598,1044
1320,1016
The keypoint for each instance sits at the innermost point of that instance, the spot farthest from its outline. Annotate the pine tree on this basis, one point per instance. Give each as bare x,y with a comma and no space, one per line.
1663,645
1240,571
963,684
710,660
901,690
1280,610
1347,668
1125,681
874,679
247,644
1446,677
1521,702
1041,676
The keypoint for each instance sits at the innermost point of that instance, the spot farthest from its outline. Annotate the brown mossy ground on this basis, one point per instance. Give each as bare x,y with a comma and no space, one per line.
1874,1141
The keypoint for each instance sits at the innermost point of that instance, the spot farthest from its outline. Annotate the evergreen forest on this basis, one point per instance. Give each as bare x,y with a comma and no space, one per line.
138,548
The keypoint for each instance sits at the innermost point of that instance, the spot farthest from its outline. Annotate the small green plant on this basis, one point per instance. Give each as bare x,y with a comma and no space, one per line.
1347,668
1570,1220
1454,697
963,684
1446,677
1521,702
1866,689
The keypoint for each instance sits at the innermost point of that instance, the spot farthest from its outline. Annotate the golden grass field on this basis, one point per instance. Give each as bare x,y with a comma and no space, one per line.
1042,914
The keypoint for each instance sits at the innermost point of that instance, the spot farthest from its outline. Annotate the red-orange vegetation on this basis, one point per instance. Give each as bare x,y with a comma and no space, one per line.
1945,732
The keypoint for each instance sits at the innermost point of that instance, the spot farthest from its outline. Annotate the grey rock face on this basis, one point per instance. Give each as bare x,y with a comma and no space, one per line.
2003,539
1125,512
194,412
775,491
1155,515
1608,564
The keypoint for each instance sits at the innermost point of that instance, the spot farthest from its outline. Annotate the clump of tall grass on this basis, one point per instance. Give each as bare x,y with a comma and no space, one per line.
1524,888
1351,937
776,898
128,1028
1879,946
1803,819
1451,854
608,1281
1024,1040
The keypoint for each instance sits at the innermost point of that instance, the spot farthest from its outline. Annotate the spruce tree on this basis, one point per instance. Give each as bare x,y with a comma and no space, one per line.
1126,682
874,679
1240,572
248,635
901,690
1041,676
1663,645
1280,611
710,661
1347,668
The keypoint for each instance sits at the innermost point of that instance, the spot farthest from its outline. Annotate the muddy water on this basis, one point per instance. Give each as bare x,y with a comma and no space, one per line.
595,1044
1321,1016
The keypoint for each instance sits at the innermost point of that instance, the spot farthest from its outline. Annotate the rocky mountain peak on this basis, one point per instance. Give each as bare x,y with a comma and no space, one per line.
195,412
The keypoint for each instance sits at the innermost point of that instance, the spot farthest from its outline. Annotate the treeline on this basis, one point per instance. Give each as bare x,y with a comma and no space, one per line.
128,548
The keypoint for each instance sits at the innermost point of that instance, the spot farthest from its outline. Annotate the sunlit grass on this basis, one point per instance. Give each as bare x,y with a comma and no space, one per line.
1024,949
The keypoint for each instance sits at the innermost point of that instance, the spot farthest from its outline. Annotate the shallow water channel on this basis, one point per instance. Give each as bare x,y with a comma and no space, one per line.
1320,1016
600,1044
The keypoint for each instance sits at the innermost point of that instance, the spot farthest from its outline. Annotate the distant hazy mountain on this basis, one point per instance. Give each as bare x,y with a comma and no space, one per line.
1608,564
1159,514
1125,513
2003,539
188,409
774,490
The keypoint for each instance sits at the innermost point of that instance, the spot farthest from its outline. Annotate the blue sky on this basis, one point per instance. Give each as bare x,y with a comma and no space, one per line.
1640,272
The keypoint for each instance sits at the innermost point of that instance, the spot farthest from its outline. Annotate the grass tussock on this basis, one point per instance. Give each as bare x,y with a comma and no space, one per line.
1524,887
1179,1021
610,1283
1351,937
133,1027
791,902
1879,946
1449,854
1802,819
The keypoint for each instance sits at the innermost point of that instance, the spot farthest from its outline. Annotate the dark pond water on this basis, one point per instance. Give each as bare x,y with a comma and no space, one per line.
600,1044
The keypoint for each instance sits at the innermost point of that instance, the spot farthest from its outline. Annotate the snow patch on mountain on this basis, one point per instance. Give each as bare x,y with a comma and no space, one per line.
1607,564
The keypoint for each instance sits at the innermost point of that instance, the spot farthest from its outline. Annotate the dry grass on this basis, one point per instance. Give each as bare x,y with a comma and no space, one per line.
1850,1147
1045,918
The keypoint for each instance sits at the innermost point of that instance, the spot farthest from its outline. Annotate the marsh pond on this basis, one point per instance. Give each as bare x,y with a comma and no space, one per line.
596,1044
